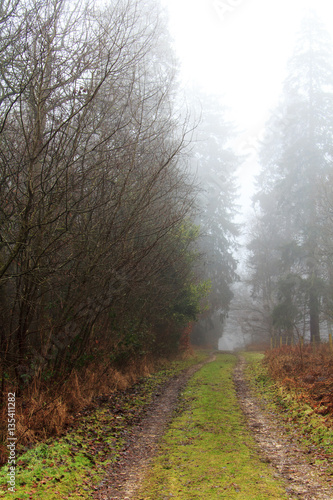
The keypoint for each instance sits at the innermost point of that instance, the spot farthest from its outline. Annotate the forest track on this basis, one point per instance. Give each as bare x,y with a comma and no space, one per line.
123,480
305,480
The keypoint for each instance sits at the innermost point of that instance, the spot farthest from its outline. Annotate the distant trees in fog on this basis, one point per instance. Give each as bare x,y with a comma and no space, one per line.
215,164
290,248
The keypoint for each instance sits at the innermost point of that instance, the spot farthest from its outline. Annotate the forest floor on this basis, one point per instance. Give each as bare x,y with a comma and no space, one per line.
207,431
301,473
123,480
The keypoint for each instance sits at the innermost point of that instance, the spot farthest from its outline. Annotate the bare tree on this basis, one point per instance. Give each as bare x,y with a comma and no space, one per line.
91,184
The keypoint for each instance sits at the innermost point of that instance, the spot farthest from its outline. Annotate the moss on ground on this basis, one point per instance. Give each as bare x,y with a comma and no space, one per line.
208,451
71,466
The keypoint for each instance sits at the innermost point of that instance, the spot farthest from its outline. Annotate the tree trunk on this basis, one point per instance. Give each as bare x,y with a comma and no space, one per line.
314,316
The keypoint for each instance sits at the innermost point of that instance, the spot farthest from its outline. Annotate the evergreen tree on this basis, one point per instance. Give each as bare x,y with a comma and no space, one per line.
296,156
216,164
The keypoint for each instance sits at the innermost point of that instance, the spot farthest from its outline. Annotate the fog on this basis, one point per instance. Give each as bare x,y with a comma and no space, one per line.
237,51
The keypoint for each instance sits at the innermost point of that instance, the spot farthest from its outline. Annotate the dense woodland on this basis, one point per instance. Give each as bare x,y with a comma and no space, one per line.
118,196
110,246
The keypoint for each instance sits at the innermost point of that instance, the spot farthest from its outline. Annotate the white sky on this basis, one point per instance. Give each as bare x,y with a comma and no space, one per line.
239,49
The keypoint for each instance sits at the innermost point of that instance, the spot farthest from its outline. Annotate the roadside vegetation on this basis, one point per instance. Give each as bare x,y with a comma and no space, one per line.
296,383
72,465
208,451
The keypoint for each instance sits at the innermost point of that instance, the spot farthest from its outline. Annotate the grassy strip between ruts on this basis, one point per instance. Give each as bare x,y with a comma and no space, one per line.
313,431
207,451
70,467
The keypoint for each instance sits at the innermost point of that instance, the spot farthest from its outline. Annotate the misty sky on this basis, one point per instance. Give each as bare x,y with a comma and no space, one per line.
239,49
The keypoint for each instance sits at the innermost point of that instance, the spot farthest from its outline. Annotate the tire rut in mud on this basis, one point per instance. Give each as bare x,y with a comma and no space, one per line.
303,479
123,480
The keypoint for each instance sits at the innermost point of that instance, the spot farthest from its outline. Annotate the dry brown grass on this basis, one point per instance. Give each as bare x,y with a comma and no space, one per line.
43,410
308,370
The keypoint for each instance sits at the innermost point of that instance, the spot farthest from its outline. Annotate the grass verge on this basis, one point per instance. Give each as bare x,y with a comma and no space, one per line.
208,451
70,467
312,430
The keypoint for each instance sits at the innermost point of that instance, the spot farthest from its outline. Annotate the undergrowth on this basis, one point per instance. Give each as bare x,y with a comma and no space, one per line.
307,371
46,408
71,465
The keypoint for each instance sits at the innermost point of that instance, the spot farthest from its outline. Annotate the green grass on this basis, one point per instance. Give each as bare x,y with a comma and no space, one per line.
71,466
208,453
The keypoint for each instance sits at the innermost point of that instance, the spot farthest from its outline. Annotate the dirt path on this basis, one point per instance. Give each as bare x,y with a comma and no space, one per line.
303,480
124,479
308,481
